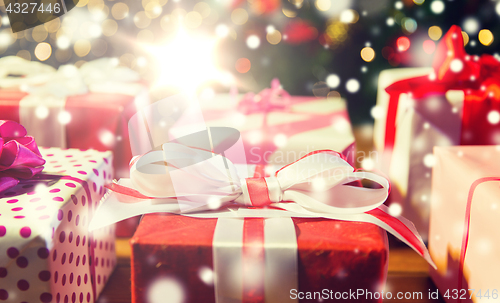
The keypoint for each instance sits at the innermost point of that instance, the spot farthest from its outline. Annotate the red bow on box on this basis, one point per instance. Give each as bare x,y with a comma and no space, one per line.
19,155
454,69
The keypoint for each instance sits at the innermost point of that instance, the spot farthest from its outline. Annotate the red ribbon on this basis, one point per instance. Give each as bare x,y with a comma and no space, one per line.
465,238
454,69
19,155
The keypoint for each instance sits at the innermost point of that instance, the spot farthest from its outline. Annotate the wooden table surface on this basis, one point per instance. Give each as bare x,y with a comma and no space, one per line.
407,272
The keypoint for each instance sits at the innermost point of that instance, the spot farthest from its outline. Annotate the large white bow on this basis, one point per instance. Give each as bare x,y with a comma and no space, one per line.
317,182
194,182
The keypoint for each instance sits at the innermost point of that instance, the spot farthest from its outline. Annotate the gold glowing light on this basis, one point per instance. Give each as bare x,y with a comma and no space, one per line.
185,62
43,51
323,5
273,37
119,11
465,36
485,37
289,13
367,54
435,32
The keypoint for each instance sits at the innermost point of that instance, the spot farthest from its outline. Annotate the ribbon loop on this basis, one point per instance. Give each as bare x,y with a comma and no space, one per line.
260,192
19,155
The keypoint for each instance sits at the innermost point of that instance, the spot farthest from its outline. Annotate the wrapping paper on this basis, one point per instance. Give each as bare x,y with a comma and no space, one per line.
283,135
463,241
83,108
419,127
176,251
456,102
46,251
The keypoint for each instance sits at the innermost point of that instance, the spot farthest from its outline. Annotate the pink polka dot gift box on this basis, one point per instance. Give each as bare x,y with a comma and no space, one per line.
47,253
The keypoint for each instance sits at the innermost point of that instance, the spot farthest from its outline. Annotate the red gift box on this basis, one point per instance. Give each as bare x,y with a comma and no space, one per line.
335,255
91,115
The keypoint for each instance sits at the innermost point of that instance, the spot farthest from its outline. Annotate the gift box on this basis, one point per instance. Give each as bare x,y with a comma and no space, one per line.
80,108
463,241
454,103
47,253
243,233
277,128
330,257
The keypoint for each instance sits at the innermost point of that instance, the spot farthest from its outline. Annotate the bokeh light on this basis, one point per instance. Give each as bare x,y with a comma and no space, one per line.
471,25
82,47
166,290
403,44
193,20
183,62
333,81
119,11
435,32
367,54
323,5
485,36
437,6
24,54
141,20
493,117
289,13
395,209
273,37
222,30
429,46
465,38
349,16
43,51
243,65
352,86
239,16
253,41
39,33
109,27
409,25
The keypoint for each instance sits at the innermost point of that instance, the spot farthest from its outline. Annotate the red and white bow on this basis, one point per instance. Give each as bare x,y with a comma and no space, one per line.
194,182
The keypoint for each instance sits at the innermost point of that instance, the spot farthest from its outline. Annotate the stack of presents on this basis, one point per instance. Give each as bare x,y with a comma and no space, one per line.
244,198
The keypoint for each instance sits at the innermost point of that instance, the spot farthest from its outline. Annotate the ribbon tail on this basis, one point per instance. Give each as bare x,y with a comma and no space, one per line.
401,228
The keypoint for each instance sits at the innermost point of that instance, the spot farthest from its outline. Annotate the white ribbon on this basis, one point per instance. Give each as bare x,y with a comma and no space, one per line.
316,183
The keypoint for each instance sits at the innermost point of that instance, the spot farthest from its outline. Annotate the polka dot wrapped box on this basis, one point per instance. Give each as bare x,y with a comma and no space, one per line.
47,253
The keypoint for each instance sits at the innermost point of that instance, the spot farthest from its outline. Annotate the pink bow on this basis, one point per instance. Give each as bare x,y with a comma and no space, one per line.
269,99
19,155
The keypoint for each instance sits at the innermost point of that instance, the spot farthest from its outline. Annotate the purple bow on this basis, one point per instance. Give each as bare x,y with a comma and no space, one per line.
268,99
19,155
